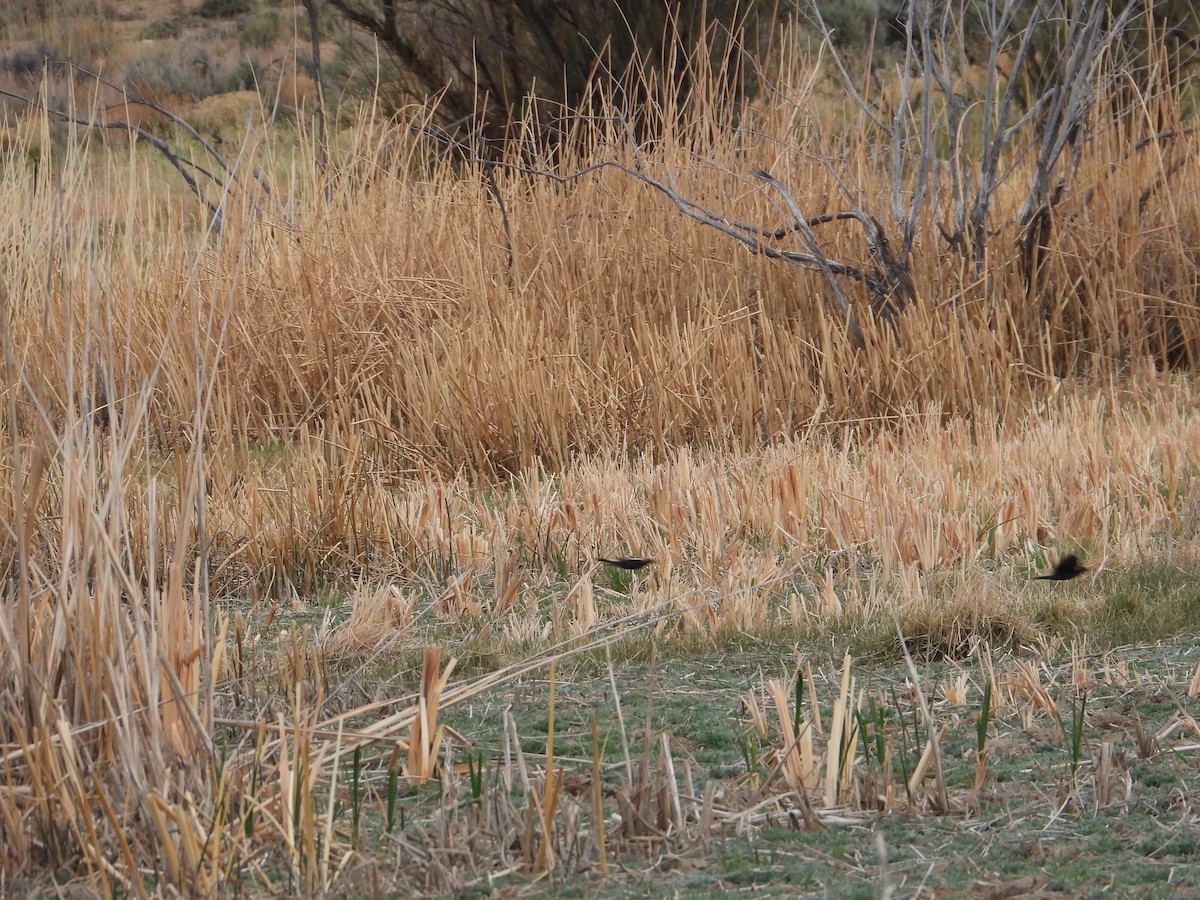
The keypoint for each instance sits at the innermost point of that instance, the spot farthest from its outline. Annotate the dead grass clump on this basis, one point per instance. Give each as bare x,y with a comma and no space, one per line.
110,682
964,614
941,632
378,618
235,108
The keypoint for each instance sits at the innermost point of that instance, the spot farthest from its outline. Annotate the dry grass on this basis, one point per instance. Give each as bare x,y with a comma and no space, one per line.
350,388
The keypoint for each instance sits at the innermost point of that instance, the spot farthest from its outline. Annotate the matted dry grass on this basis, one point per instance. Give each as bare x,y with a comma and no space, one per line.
351,389
813,523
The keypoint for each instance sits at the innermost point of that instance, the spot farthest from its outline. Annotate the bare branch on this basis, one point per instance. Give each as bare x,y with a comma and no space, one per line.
182,164
178,162
815,249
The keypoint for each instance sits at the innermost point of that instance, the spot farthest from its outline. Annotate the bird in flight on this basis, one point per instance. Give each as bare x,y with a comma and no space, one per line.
1067,568
627,562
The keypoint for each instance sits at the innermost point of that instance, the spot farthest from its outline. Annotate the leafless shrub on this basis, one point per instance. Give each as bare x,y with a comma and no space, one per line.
486,61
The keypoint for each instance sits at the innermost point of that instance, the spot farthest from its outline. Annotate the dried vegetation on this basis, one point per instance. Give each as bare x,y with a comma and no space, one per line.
377,382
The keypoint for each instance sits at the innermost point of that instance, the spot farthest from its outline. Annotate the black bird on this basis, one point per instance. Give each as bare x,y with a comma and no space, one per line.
627,562
1068,567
